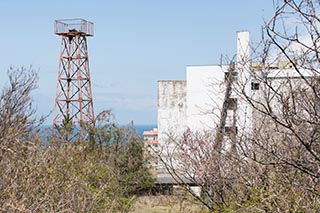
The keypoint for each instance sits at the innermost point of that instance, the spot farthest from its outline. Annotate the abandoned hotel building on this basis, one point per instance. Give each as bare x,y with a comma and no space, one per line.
196,102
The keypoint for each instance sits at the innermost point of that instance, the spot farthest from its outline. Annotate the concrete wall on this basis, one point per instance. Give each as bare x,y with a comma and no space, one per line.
244,110
205,94
172,119
171,108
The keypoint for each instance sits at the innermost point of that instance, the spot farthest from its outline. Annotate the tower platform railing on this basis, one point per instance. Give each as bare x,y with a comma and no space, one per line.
73,26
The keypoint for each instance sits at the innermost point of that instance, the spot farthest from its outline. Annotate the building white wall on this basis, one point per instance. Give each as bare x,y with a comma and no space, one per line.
243,84
205,95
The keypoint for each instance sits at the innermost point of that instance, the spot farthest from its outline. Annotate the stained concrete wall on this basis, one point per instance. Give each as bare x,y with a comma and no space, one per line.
172,117
171,108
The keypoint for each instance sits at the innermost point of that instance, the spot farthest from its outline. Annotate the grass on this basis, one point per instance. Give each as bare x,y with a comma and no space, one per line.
178,202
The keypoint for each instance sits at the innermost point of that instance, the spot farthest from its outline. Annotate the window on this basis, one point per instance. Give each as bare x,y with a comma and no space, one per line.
230,129
232,103
230,118
227,76
254,86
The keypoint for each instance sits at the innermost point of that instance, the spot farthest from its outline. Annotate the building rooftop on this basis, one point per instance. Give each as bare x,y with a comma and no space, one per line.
153,132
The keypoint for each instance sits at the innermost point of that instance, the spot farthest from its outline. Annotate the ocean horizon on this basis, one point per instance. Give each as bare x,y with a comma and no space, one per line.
140,128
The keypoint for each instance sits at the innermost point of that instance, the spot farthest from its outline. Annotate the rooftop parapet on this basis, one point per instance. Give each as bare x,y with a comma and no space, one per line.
282,65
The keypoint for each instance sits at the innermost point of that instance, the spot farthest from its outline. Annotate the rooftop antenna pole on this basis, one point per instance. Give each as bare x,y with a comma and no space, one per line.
73,102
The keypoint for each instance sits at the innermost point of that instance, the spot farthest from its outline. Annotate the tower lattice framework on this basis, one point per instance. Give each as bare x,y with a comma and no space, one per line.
73,103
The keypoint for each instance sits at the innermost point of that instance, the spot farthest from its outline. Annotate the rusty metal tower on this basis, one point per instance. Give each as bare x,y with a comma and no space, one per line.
73,103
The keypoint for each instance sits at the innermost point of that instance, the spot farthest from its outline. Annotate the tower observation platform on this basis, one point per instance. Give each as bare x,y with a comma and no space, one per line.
73,27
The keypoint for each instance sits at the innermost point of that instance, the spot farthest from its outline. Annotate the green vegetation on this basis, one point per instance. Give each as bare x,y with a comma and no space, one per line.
102,173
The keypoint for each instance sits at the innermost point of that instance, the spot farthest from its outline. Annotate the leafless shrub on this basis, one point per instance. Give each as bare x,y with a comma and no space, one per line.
275,168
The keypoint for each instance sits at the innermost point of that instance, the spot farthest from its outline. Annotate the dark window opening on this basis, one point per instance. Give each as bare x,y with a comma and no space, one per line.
232,77
231,130
232,103
254,86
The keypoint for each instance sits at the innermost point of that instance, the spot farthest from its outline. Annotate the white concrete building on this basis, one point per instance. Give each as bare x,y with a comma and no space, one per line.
196,103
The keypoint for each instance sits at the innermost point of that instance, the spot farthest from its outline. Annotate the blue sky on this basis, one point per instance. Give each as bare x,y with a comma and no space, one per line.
136,43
